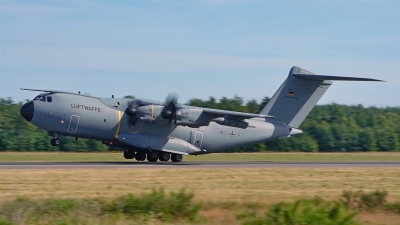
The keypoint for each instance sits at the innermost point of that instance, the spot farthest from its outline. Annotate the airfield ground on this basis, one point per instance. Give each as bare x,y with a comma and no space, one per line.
219,157
223,192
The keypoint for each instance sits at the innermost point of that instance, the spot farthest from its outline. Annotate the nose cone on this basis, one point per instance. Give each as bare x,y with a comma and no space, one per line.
27,110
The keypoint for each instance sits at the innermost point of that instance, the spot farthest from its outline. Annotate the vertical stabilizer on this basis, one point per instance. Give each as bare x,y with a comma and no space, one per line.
298,95
295,99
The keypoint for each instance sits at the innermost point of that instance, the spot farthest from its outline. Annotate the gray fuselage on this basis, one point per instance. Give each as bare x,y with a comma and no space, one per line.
104,119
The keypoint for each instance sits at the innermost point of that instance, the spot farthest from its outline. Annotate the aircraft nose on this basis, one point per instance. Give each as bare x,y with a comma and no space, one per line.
27,110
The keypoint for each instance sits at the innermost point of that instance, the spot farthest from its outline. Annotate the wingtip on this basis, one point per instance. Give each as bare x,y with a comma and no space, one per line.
376,80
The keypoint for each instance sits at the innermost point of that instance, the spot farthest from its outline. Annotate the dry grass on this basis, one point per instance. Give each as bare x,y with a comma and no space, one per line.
262,185
217,188
380,218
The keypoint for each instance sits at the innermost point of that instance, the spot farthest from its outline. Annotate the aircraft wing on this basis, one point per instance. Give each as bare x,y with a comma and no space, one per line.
236,115
197,117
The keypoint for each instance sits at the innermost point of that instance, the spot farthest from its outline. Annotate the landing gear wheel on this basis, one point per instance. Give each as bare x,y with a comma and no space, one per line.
55,142
152,156
129,155
164,157
176,158
140,156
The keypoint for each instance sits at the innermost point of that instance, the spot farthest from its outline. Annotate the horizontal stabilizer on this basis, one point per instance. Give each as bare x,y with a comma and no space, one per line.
326,77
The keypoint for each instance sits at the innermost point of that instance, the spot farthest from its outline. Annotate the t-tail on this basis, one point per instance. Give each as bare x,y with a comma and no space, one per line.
298,95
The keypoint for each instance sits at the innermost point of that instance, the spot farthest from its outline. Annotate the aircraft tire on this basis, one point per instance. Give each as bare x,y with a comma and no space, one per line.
140,156
176,158
55,142
129,155
164,157
152,156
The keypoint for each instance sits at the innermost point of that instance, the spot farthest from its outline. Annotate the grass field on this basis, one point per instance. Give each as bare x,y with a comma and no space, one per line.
221,191
219,157
219,185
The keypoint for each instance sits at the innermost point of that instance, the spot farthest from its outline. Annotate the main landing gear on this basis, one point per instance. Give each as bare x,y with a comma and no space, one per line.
164,156
129,155
140,156
55,142
153,156
176,158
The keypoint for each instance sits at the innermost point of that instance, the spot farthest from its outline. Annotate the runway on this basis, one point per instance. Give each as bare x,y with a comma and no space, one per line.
193,165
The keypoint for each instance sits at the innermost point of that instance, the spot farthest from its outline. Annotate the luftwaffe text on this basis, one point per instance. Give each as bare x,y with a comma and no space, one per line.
85,107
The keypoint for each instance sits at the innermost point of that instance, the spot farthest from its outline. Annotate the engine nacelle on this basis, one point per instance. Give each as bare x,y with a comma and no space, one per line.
231,122
192,118
151,114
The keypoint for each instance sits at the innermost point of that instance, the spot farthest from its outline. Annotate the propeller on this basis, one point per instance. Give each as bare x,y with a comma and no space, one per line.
132,111
169,111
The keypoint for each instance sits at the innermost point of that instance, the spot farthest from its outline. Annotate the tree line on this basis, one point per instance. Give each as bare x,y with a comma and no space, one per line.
328,128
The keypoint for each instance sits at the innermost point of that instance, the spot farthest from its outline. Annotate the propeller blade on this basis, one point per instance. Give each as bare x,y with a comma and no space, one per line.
172,98
169,111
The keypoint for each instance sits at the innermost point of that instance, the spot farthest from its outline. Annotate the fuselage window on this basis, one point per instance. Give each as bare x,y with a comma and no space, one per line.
42,98
49,99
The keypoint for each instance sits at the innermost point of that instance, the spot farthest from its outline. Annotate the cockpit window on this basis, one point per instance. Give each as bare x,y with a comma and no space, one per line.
40,98
43,98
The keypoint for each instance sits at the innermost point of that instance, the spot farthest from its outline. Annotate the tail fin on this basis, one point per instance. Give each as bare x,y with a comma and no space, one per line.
298,95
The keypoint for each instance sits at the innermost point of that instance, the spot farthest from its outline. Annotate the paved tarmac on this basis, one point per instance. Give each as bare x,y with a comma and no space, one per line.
194,165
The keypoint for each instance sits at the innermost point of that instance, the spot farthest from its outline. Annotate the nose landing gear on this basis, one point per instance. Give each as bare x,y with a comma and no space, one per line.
55,142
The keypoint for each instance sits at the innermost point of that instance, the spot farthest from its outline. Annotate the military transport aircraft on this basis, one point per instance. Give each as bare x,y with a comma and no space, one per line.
168,130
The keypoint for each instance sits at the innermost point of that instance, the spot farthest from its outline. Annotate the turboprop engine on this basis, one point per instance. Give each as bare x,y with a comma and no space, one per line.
149,113
231,122
192,118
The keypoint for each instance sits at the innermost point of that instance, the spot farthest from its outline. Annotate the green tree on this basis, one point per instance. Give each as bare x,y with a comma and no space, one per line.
331,127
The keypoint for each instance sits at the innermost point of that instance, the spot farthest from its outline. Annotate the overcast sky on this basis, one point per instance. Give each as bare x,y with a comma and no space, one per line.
199,48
